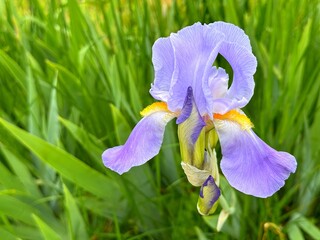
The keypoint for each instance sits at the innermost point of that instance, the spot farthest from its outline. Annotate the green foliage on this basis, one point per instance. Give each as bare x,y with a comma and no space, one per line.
74,76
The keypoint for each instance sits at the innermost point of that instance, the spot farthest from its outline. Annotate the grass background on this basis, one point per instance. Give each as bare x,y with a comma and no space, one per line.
74,76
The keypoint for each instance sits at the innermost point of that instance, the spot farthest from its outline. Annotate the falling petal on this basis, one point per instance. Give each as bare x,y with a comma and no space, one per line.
248,163
143,143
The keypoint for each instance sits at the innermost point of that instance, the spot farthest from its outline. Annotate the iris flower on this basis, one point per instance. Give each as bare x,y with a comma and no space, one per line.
191,89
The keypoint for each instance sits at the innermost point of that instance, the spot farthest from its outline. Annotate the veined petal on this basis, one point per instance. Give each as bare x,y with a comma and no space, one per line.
215,88
244,65
248,163
195,49
163,63
218,83
143,143
236,49
232,33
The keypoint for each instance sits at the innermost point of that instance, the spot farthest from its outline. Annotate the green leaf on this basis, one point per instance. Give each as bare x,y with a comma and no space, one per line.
200,234
47,232
88,141
67,165
13,68
212,221
21,171
122,127
309,227
9,180
294,233
4,234
53,123
77,226
17,209
34,105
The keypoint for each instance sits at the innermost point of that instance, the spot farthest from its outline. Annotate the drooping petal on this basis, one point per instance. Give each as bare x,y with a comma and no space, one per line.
163,63
236,49
143,143
195,49
209,194
248,163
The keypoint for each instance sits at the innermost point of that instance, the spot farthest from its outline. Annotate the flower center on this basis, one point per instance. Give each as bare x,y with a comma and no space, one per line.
154,107
237,117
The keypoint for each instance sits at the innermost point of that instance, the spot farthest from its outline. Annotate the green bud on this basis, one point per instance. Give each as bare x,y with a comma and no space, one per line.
208,197
186,149
199,149
192,152
211,138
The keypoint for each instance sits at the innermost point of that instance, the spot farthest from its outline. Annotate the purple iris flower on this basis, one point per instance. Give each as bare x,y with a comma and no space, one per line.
192,90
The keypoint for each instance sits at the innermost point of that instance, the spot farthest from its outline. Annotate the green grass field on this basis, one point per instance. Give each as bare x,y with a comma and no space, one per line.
74,76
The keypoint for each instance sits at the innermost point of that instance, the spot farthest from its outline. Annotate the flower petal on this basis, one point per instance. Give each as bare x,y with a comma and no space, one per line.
163,63
195,49
248,163
143,143
232,33
185,59
215,88
236,49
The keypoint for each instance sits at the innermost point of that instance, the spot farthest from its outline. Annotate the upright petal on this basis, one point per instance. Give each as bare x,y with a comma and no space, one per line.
163,63
248,163
232,33
236,49
195,49
143,143
185,59
215,88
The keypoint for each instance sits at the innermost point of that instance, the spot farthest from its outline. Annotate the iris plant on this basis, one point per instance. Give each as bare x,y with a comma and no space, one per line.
195,92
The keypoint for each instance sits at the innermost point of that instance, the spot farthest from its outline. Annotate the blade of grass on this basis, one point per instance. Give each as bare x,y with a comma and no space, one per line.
66,164
47,232
77,226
